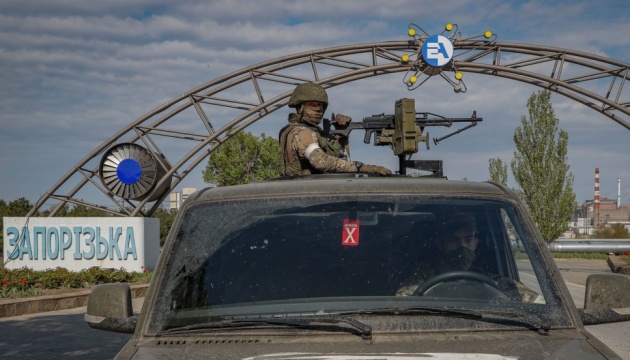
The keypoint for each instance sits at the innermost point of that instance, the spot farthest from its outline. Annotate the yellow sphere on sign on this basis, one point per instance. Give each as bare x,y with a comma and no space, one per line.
487,34
449,27
411,32
413,79
405,58
458,75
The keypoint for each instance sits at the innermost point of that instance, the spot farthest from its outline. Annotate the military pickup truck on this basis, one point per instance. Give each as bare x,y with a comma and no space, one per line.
349,266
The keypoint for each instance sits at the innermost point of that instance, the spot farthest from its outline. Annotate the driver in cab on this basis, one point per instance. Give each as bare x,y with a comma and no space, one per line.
455,251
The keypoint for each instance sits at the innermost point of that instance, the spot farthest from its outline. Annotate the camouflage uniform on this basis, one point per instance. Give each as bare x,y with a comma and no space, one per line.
459,259
306,148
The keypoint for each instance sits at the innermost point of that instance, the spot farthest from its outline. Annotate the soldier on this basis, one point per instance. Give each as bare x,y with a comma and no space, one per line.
306,148
456,247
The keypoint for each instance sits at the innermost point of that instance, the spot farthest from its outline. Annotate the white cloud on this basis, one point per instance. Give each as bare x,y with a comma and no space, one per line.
75,73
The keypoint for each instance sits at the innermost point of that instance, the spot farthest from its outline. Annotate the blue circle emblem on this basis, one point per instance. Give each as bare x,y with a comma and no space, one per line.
129,171
437,51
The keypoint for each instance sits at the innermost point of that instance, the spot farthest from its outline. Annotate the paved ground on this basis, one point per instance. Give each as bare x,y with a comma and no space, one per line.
574,273
64,334
58,335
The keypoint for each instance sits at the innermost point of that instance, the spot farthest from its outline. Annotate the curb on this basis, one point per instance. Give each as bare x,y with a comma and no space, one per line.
45,303
617,265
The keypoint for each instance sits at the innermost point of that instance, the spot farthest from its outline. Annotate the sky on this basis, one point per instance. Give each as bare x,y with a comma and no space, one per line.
73,73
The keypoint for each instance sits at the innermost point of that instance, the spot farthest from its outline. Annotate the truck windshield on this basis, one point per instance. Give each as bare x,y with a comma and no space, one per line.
301,256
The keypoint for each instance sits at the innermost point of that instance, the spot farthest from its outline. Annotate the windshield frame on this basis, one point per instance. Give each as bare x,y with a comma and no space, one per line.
186,254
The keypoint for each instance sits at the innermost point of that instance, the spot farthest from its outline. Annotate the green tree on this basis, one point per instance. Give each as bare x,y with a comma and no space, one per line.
166,217
615,231
243,159
498,171
540,167
77,210
3,212
84,211
63,212
19,207
15,208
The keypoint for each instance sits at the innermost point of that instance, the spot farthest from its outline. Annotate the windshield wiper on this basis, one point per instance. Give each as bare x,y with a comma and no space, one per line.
503,316
488,315
304,322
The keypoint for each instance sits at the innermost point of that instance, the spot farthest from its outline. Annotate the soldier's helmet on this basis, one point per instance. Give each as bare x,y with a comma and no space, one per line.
308,92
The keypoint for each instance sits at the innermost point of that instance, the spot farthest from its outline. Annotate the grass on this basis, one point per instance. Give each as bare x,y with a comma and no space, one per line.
591,256
518,255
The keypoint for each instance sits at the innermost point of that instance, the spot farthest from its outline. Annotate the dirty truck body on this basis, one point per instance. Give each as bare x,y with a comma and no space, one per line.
312,268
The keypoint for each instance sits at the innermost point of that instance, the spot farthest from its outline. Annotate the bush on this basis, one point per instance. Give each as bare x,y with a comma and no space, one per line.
27,282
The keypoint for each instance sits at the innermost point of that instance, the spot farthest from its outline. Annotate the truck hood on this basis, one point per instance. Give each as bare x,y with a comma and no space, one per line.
532,346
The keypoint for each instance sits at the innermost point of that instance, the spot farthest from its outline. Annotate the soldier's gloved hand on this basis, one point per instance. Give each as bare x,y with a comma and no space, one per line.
340,122
374,169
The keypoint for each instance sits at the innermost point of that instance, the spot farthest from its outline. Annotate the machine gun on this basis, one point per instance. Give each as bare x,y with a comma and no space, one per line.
402,131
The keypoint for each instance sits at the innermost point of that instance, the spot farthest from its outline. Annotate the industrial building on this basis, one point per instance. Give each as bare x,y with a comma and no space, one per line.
599,212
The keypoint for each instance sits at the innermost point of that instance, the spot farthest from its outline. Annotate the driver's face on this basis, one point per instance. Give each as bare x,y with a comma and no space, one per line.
466,237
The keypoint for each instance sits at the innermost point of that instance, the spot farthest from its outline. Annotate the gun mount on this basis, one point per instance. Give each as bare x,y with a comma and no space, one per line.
402,131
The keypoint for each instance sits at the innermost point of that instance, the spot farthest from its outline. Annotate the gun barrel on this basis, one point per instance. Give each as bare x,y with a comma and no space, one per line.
431,117
442,121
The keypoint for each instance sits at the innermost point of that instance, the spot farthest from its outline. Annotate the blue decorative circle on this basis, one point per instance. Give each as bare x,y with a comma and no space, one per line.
437,51
129,171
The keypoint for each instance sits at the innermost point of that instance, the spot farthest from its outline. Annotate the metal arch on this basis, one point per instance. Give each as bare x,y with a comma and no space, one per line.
600,69
560,70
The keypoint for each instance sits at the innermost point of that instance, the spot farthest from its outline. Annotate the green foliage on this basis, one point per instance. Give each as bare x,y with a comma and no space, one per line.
15,208
243,159
615,231
84,211
27,282
77,211
3,212
498,171
589,256
540,167
166,217
19,207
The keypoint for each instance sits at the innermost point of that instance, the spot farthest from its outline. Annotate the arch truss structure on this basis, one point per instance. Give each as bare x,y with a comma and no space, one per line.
167,143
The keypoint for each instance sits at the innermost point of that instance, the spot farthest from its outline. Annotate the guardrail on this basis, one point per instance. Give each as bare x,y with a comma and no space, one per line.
605,246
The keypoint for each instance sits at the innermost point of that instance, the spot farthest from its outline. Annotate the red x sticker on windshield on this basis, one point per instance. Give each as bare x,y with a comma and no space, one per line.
350,233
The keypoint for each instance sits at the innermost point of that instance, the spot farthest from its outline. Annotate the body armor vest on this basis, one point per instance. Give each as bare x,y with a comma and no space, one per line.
327,142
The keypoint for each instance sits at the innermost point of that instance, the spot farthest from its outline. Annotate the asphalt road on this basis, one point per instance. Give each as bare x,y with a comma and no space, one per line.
58,335
64,334
574,273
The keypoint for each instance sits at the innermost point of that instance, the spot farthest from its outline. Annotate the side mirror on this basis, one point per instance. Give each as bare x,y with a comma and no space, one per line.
606,299
109,308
